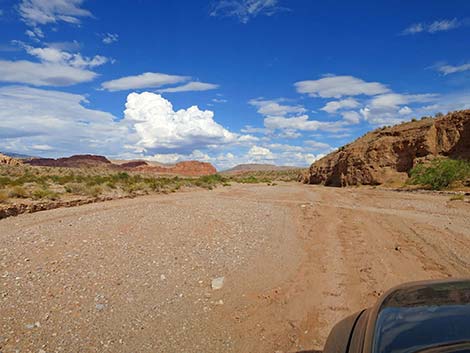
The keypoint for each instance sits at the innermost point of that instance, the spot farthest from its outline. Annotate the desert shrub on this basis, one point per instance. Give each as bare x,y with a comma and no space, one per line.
4,181
209,181
251,179
414,120
3,196
440,173
94,191
41,194
76,188
18,192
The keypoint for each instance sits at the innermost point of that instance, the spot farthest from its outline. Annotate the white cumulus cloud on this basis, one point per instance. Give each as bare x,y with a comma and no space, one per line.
272,107
334,106
159,127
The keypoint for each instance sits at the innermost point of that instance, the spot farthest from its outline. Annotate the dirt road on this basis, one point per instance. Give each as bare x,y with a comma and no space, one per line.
135,275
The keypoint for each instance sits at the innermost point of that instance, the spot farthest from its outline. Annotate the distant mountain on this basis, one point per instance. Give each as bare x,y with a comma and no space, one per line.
17,155
253,167
184,168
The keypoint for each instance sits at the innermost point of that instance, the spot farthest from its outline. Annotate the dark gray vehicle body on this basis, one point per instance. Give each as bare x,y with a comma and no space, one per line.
427,317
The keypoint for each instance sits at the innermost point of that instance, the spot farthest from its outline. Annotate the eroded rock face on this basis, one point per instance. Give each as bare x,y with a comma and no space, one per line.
8,160
187,168
386,155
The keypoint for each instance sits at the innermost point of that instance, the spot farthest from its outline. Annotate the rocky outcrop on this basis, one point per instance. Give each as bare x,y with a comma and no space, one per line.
386,155
8,160
133,164
187,168
76,161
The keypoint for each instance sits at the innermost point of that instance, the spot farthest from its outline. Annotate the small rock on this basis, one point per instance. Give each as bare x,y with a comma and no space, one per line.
31,326
100,306
218,283
162,277
398,248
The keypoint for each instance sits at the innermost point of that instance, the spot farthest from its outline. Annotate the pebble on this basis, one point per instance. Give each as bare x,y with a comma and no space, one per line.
218,283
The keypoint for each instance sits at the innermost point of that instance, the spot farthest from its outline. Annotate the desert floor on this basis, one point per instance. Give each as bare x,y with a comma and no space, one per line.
135,275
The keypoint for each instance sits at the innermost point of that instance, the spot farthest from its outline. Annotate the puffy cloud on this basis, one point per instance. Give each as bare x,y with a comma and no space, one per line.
57,67
449,69
190,86
42,12
334,106
43,74
160,128
393,100
274,108
391,108
339,86
109,38
287,155
31,119
301,123
172,158
245,10
57,56
436,26
257,153
351,117
145,80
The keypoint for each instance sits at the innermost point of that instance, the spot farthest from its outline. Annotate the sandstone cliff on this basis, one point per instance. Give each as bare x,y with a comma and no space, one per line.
386,155
8,160
187,168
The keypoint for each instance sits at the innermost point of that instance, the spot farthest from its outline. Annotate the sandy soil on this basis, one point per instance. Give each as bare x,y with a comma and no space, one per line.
135,275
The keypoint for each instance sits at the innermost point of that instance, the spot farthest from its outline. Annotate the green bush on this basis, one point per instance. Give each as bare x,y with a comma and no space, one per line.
440,173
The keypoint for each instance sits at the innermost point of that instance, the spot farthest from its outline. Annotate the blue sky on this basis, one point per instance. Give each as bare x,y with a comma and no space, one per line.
223,81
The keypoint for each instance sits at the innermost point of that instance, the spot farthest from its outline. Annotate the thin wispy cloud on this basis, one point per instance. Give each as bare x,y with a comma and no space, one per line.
190,87
450,69
245,10
41,12
145,80
433,27
109,38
